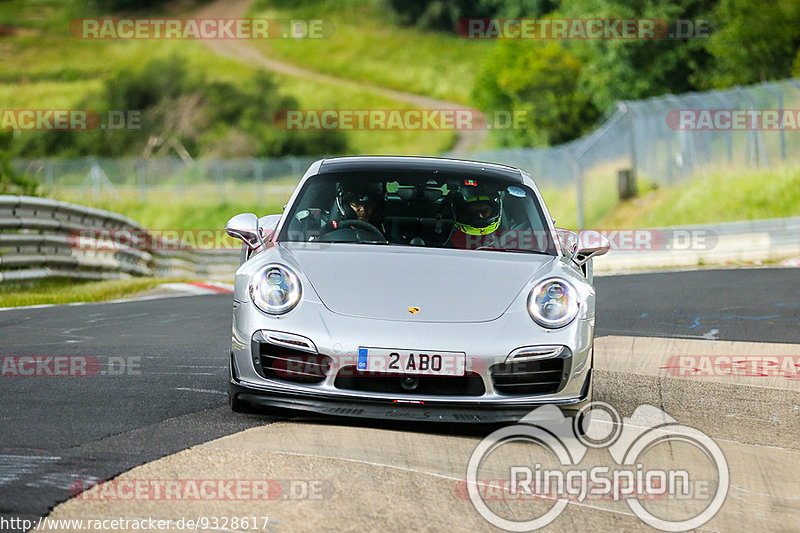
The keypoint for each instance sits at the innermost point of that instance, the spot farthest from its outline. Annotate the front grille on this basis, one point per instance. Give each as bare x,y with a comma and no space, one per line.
541,376
349,378
287,364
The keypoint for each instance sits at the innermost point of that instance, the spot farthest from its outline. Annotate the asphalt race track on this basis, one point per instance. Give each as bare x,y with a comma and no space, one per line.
761,305
162,368
163,396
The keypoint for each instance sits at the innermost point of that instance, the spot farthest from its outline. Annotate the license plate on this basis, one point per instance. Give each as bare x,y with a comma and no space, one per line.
412,362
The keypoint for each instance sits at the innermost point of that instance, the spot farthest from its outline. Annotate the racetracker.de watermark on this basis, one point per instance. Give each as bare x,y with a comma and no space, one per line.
708,366
161,240
150,523
581,29
69,119
195,489
199,28
628,240
420,119
631,240
733,119
68,366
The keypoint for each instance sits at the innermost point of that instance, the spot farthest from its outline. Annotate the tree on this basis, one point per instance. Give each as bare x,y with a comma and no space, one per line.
539,80
173,101
11,181
444,14
628,69
756,40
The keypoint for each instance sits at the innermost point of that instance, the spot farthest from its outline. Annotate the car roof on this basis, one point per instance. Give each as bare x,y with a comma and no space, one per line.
422,164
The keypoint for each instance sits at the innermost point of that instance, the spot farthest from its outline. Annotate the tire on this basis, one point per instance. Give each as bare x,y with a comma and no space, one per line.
579,424
238,406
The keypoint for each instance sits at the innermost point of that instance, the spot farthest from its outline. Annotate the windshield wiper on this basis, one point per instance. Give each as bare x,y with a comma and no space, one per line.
525,250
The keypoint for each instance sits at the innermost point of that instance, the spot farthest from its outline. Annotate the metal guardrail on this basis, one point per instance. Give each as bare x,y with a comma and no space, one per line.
747,241
36,243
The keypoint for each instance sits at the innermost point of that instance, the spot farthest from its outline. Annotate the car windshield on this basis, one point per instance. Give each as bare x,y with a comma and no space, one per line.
425,209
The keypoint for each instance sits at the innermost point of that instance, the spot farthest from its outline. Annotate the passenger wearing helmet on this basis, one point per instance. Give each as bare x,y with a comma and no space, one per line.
478,211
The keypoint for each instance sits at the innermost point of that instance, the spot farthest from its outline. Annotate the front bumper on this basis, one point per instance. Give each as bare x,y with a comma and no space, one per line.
476,412
337,338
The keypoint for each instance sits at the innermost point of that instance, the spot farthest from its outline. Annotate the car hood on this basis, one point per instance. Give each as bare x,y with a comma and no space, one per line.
383,282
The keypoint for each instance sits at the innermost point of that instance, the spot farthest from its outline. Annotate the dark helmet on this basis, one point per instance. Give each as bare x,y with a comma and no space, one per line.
478,210
358,193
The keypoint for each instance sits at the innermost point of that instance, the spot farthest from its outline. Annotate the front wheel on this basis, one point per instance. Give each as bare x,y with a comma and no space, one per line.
237,405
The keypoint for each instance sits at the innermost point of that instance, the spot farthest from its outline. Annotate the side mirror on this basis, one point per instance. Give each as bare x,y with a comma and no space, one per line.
590,244
568,240
267,226
244,226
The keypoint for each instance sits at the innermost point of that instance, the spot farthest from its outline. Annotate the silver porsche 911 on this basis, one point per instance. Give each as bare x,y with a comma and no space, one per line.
413,288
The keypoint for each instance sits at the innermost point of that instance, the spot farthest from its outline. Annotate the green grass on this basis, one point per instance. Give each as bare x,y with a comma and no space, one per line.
43,66
314,95
200,206
62,291
367,45
721,195
599,196
718,196
46,94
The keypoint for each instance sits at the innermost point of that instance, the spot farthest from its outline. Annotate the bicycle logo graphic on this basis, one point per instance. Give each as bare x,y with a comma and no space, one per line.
626,439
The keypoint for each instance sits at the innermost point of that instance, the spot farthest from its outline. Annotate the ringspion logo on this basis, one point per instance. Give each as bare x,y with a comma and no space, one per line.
643,448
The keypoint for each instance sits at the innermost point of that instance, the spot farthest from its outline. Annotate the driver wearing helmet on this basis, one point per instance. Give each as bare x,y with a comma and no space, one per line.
478,211
358,201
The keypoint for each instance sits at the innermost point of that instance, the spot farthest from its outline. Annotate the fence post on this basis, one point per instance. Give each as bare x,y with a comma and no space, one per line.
220,179
578,170
771,88
729,134
628,109
258,172
141,174
48,175
626,184
753,136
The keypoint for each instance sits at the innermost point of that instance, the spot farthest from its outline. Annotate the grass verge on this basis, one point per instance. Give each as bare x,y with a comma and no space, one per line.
196,206
717,196
367,45
42,66
62,291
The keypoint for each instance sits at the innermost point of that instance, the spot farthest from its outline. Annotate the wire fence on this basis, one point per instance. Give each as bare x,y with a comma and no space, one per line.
667,139
97,178
661,140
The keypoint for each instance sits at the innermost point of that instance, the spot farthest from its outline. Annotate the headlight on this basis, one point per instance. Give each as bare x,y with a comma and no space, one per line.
275,289
553,303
